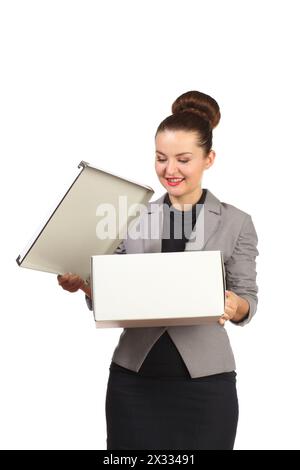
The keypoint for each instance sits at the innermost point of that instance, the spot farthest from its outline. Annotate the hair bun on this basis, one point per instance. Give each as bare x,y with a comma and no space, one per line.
199,103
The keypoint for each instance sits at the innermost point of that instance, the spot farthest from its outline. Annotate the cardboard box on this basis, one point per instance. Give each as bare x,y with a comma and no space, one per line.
158,289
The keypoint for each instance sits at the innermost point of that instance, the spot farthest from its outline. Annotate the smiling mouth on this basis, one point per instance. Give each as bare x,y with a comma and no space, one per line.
174,181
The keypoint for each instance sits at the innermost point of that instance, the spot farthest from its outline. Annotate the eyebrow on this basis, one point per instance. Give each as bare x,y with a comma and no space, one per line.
178,154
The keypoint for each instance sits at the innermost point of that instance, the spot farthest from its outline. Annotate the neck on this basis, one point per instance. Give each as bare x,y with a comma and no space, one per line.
186,201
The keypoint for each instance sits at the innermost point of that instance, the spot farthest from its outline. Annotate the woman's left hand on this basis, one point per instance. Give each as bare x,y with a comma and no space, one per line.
231,306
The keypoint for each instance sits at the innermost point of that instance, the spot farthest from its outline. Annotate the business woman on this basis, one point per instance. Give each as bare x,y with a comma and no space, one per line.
175,387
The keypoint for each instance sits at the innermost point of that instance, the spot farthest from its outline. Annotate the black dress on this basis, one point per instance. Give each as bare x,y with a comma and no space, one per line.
161,406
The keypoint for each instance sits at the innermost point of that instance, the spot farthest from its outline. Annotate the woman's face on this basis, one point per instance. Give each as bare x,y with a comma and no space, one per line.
180,163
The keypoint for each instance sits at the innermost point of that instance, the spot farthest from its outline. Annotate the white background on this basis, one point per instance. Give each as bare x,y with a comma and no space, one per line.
91,80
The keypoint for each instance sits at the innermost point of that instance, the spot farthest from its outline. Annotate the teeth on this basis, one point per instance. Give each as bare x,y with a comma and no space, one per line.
174,180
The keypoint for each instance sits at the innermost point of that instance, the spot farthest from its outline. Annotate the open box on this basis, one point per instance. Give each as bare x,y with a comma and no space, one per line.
158,289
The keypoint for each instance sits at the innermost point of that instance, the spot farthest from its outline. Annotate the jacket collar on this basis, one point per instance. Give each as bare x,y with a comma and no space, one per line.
207,223
212,203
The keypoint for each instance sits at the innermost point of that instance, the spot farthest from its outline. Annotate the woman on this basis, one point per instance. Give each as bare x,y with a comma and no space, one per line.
175,387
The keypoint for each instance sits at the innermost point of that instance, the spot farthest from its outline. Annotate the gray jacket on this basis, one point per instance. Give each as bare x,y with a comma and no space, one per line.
205,349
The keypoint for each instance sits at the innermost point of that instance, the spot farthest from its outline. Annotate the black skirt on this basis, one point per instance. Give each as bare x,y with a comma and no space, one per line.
171,413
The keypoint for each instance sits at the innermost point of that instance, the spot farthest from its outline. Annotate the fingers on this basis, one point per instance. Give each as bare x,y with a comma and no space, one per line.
70,282
225,317
230,307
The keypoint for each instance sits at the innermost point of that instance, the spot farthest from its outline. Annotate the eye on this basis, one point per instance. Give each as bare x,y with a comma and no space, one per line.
183,161
161,160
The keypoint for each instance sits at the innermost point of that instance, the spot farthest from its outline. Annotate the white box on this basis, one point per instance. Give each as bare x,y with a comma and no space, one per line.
158,289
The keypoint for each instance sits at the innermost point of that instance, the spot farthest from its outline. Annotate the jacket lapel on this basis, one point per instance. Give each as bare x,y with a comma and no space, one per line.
206,224
154,222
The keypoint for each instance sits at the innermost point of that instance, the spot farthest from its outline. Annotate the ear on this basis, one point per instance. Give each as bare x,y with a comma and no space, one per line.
209,159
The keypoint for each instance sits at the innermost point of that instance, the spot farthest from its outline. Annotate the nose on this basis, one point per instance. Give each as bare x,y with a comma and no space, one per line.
171,168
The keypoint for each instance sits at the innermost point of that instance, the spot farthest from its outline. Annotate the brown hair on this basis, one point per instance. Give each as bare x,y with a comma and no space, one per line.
195,112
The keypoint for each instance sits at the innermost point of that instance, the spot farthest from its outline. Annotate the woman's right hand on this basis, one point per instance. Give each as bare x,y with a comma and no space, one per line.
72,283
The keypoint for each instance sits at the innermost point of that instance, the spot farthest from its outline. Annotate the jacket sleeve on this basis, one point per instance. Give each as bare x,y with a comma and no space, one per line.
120,250
241,268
